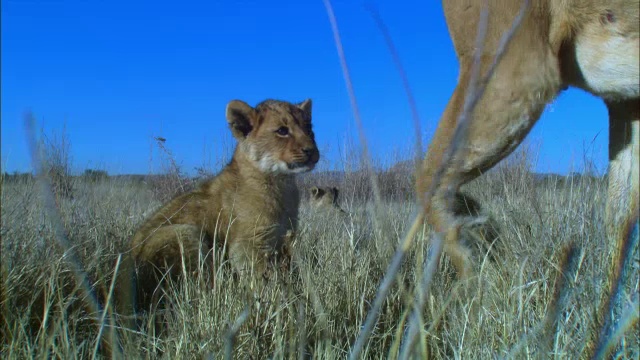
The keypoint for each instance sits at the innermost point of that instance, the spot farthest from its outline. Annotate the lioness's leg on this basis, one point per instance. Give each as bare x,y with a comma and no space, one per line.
624,145
526,79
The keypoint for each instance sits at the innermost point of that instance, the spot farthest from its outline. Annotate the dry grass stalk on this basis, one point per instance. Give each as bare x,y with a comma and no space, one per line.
71,255
366,159
231,334
346,277
612,330
405,82
475,91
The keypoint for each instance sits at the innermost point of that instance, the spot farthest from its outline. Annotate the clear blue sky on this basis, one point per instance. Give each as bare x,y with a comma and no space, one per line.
117,72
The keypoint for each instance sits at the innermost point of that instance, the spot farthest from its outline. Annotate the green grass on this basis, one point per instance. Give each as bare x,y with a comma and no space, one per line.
342,259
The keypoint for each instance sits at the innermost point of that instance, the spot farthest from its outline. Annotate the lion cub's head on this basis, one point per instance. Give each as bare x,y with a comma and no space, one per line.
275,135
325,198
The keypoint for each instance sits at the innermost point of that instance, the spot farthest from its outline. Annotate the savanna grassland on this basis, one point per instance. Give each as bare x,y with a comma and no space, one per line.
341,261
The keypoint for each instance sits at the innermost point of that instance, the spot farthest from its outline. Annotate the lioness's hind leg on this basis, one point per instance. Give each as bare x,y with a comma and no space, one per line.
624,168
523,83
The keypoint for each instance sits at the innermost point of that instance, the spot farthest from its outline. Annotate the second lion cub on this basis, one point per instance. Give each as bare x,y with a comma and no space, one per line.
252,204
325,198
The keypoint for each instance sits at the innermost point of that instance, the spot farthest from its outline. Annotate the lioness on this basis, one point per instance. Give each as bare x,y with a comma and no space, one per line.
325,198
252,204
589,44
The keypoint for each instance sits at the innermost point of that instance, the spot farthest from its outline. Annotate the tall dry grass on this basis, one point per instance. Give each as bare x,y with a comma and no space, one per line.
613,320
342,259
540,298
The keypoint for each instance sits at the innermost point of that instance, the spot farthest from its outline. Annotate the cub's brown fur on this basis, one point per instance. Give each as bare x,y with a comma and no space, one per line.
252,204
589,44
325,198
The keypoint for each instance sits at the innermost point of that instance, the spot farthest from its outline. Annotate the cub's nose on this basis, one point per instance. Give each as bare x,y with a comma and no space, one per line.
311,153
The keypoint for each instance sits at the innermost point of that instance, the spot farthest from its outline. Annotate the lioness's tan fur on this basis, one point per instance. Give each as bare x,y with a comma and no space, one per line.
251,205
589,44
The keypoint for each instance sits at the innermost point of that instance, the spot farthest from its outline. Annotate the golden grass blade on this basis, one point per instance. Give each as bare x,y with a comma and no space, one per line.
628,319
104,314
549,326
71,255
354,104
385,286
405,80
415,321
475,92
564,282
230,336
609,333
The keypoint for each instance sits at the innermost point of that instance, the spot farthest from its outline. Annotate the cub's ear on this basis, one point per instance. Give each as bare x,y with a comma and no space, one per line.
314,191
306,107
240,118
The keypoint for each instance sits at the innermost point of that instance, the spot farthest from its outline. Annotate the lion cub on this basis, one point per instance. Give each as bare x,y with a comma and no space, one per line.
251,206
325,198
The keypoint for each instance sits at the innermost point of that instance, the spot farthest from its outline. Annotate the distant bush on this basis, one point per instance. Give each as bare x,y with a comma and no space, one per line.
95,175
18,177
56,161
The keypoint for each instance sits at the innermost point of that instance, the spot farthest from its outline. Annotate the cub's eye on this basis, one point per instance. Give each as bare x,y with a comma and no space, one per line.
283,131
